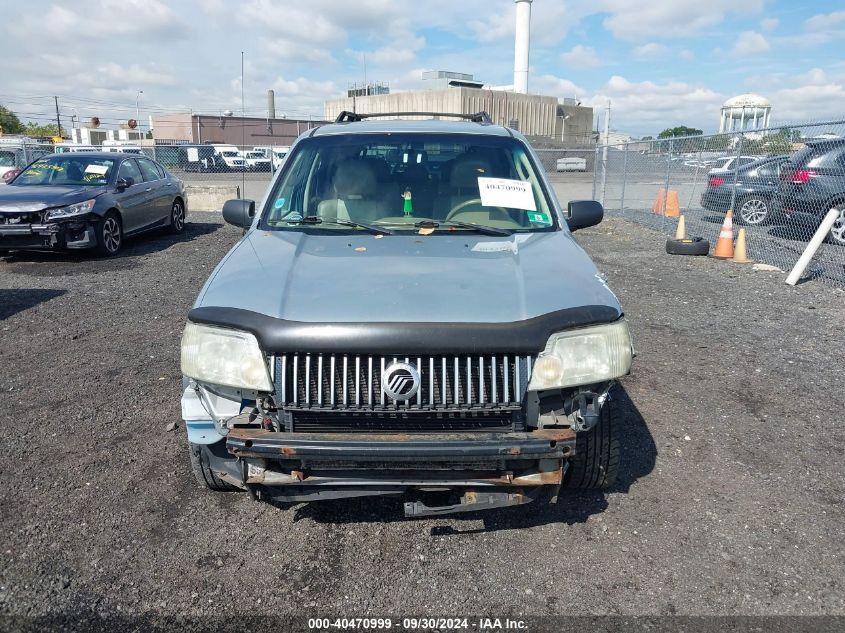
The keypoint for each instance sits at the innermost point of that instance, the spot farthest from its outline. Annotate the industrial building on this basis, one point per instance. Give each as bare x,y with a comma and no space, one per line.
185,127
568,123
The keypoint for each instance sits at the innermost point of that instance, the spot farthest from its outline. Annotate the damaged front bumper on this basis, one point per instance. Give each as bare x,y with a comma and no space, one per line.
69,234
486,470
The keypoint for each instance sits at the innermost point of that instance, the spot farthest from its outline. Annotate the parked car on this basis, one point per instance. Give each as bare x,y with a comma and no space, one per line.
750,188
571,163
231,157
731,162
201,158
89,200
279,157
257,161
812,183
407,312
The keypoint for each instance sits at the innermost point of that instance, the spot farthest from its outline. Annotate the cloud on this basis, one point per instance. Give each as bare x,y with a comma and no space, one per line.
103,19
825,21
811,96
750,43
581,57
638,21
652,49
647,107
686,55
555,86
769,24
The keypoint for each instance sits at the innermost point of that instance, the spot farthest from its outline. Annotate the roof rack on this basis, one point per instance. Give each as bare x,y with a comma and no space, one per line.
349,117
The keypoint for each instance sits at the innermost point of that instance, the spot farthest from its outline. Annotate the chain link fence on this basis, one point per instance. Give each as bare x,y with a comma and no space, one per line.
780,182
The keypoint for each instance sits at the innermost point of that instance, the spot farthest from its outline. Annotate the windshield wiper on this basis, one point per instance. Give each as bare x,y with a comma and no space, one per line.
481,228
315,219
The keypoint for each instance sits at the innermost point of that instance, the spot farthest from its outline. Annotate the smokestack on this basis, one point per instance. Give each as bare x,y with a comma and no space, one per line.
522,42
271,104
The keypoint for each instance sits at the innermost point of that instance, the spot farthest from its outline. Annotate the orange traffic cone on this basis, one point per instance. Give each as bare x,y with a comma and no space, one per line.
659,204
673,208
740,253
681,230
725,245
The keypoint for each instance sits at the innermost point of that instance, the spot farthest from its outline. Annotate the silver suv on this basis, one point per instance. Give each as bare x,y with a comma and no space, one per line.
406,314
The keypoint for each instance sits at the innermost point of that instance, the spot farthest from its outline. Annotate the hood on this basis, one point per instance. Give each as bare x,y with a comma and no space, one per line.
29,198
463,277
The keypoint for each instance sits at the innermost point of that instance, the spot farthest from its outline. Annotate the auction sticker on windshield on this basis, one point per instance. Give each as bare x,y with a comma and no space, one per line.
504,192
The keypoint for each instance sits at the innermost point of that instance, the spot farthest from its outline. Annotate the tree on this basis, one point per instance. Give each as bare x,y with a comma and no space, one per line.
35,129
9,122
681,130
647,138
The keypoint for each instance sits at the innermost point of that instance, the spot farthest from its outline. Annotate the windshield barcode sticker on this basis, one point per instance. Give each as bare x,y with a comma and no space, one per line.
504,192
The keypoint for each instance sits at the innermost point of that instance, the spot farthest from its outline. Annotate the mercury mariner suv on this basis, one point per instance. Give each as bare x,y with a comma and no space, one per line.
408,314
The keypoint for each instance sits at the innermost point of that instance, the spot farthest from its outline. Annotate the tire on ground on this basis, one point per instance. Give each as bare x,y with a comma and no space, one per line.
597,452
694,246
201,468
837,231
109,232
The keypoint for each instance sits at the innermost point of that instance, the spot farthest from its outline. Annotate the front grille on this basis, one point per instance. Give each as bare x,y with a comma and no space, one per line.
448,384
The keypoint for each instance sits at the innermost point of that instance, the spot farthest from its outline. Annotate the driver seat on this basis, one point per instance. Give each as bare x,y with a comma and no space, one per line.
463,187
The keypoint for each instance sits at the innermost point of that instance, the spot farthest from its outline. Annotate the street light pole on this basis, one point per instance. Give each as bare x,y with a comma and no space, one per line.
137,111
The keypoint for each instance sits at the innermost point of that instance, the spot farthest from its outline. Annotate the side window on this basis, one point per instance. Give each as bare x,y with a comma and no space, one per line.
149,170
128,169
160,170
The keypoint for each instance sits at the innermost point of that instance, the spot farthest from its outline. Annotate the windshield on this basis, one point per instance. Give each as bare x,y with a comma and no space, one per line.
67,169
400,180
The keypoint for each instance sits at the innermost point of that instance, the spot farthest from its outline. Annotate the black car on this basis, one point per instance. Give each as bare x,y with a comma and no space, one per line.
89,200
812,183
754,185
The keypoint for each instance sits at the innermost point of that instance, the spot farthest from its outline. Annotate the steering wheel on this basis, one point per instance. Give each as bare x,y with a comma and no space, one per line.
457,209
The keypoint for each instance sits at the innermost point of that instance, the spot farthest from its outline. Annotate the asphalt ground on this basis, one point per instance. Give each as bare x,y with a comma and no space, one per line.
730,500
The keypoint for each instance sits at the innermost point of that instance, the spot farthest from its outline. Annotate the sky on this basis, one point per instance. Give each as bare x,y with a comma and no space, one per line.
659,63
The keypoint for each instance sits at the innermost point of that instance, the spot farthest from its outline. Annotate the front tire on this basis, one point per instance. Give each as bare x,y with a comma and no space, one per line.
109,234
597,452
177,218
203,473
753,211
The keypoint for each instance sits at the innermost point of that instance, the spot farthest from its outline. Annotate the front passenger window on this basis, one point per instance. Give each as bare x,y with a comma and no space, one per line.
128,169
149,170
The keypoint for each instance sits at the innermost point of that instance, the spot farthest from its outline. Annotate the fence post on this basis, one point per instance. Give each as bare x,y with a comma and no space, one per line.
624,178
595,170
666,188
738,154
603,172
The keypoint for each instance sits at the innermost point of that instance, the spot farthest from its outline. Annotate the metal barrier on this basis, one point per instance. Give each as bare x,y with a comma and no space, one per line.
779,182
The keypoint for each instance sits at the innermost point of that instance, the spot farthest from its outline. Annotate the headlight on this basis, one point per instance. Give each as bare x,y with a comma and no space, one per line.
583,357
230,358
80,208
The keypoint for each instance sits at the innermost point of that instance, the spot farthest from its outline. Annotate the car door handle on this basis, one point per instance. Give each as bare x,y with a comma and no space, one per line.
148,190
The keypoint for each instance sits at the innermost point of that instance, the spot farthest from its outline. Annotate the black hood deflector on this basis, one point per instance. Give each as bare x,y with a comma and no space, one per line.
280,335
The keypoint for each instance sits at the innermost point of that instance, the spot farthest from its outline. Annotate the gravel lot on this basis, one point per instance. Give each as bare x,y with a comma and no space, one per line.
730,502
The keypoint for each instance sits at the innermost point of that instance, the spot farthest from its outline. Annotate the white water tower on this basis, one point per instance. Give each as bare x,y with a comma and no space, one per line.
745,112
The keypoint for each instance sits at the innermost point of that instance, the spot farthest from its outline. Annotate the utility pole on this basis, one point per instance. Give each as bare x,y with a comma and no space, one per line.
604,151
58,119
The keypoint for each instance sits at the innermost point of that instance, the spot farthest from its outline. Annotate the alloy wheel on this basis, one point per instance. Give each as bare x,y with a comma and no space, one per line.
111,235
837,231
178,218
753,211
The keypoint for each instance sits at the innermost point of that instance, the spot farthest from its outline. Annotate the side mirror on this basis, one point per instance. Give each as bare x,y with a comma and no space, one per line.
239,212
584,213
124,183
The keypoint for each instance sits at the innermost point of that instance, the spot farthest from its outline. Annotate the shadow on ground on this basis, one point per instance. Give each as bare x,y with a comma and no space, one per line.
16,300
78,262
639,454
